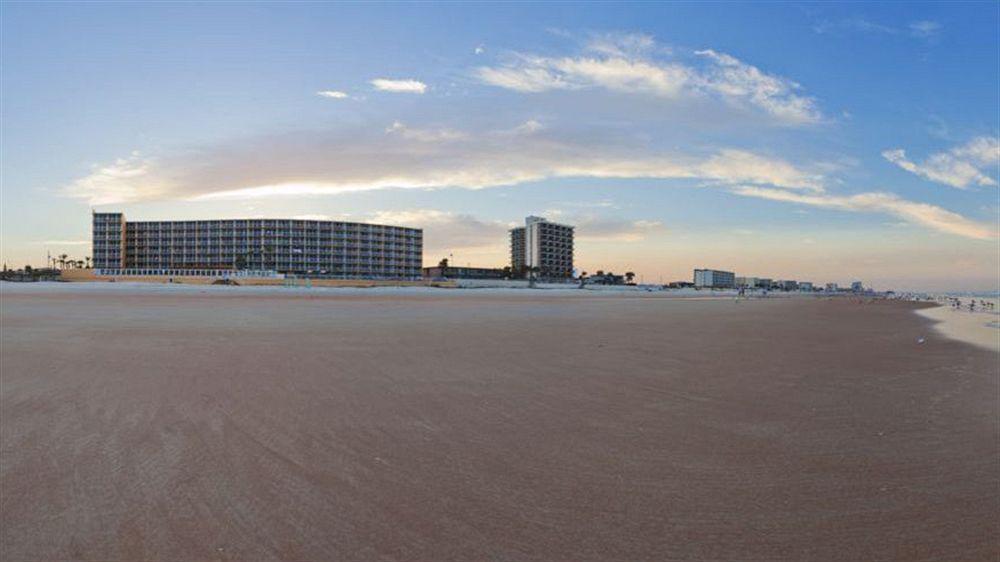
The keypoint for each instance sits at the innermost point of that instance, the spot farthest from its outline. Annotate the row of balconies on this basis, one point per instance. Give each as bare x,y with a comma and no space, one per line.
229,259
279,252
269,236
271,242
274,242
303,231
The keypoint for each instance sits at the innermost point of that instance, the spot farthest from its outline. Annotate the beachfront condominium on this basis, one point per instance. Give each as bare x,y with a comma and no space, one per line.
211,247
714,279
544,247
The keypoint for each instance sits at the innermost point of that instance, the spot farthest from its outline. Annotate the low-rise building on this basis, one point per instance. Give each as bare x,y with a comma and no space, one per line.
805,286
788,285
457,272
831,287
714,279
606,279
857,287
753,282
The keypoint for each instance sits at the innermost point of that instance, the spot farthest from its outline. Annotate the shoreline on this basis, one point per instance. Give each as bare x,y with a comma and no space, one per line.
980,329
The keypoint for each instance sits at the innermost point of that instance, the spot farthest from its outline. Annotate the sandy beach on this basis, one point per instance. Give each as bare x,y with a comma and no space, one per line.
236,423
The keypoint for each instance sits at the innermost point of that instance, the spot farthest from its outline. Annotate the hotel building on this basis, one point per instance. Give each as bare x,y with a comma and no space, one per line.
714,279
545,246
217,247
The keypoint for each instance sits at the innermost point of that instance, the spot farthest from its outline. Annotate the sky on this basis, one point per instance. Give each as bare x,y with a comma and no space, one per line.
817,141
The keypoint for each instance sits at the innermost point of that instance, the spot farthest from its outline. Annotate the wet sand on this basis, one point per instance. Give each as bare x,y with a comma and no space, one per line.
980,328
469,425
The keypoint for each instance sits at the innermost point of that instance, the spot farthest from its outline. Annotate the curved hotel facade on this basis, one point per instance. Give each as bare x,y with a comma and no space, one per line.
214,247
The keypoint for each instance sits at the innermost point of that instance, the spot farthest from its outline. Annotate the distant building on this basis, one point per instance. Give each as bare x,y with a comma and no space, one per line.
753,282
788,285
454,272
831,287
805,286
714,279
216,247
680,285
606,279
543,246
518,265
857,287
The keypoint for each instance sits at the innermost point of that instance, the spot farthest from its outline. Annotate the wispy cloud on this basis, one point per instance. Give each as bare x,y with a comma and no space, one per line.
424,135
627,64
318,163
925,29
332,94
132,178
408,86
958,167
854,24
601,229
329,162
446,231
924,214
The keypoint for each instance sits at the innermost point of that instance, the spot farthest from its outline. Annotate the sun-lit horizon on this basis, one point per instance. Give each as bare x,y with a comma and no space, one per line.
671,138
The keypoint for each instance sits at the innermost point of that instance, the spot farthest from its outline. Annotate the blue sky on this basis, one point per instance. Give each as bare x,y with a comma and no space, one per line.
814,141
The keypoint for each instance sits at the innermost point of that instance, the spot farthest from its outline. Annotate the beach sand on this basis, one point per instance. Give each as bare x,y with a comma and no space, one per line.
233,424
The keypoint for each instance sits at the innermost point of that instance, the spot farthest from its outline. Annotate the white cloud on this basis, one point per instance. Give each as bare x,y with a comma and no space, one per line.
325,162
924,214
480,49
596,229
854,24
730,165
959,167
333,94
621,44
529,127
622,64
424,135
445,231
739,82
925,29
408,86
127,179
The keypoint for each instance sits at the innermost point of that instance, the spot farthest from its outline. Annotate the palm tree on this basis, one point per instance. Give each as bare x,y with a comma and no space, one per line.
583,278
629,276
62,260
532,270
87,259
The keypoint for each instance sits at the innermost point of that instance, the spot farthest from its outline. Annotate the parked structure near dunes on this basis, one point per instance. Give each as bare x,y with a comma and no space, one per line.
328,248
